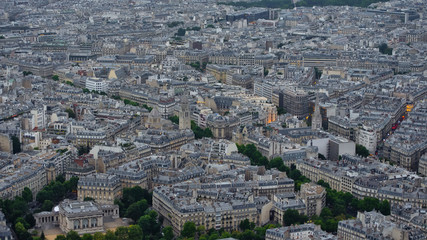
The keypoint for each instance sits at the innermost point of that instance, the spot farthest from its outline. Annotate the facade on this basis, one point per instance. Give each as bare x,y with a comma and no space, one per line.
95,84
298,232
314,197
5,232
296,102
101,187
82,217
222,127
374,225
184,115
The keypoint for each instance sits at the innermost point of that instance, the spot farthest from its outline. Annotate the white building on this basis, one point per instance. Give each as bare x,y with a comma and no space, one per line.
38,118
96,84
368,138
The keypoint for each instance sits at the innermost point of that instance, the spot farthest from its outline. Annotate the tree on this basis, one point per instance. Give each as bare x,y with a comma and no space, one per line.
26,73
317,73
181,32
27,195
88,199
61,237
265,72
174,119
55,78
361,150
135,232
276,162
323,184
168,233
188,230
384,49
384,208
16,144
246,224
136,210
280,111
109,235
73,235
98,236
21,232
70,112
60,178
83,150
87,236
292,216
122,233
47,205
42,236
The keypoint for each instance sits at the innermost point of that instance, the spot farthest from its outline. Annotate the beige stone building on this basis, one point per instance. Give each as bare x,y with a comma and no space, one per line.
82,217
103,188
314,197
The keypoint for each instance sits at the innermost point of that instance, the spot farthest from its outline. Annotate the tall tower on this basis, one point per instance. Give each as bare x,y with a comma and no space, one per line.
316,120
184,115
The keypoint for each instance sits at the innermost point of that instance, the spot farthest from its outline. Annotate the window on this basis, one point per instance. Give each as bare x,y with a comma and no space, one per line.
76,224
85,223
93,222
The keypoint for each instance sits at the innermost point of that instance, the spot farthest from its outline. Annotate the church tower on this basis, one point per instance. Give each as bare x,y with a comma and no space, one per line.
184,115
316,120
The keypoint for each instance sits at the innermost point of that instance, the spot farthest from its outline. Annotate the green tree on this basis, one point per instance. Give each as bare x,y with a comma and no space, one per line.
29,218
174,119
135,232
98,236
265,72
317,73
384,49
47,205
168,233
83,150
87,236
361,150
136,210
61,237
21,232
122,233
73,235
276,162
189,230
280,111
55,78
26,73
109,235
292,216
60,178
42,236
246,224
384,208
16,144
181,32
323,184
88,199
27,195
70,112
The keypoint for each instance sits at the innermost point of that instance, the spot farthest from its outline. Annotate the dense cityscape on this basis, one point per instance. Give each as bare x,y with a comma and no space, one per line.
213,119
